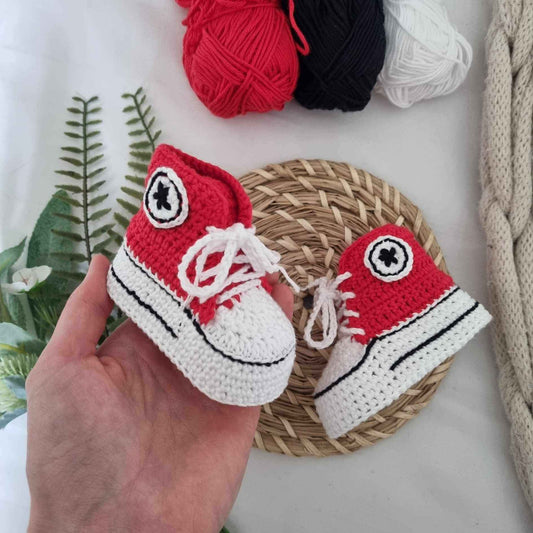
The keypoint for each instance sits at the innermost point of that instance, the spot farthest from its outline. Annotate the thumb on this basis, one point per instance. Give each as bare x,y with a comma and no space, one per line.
83,319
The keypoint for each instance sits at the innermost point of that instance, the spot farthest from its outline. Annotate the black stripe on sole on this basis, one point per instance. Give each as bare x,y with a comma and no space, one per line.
188,312
375,339
434,337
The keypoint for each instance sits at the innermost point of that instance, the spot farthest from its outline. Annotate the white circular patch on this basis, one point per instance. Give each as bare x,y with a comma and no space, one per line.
165,199
389,258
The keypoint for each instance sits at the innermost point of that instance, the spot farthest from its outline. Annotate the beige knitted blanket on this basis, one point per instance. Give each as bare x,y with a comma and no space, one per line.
506,214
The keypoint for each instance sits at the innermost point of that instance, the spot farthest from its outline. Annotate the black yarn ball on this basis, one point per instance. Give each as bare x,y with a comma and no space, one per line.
347,50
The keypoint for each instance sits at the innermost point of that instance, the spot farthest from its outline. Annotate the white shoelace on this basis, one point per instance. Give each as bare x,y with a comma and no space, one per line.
330,304
239,246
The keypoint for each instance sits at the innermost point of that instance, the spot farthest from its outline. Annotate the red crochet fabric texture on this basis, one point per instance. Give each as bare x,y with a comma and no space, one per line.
400,317
239,55
215,198
384,305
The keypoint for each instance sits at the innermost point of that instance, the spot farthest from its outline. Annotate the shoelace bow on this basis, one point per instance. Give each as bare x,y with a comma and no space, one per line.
239,246
330,304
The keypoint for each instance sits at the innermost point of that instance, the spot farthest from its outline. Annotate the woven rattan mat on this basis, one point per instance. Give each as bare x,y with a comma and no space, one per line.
310,211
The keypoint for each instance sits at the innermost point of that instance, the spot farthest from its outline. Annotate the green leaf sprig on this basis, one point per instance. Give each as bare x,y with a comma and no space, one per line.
83,157
141,124
18,354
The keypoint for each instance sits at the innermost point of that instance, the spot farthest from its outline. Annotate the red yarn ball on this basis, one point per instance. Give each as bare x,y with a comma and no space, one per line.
239,55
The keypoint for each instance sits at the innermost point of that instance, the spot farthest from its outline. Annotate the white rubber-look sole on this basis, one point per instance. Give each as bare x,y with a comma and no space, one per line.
199,351
363,380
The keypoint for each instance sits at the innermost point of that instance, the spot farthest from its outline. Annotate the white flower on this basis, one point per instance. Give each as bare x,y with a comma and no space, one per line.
26,279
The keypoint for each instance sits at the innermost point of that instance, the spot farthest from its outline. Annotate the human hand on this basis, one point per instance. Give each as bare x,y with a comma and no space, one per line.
118,439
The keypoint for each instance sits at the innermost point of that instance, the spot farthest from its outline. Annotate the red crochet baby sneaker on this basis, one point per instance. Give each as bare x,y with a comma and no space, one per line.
398,316
191,274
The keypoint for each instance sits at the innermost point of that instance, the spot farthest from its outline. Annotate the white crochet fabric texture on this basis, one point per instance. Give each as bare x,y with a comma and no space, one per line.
359,381
191,273
242,357
398,317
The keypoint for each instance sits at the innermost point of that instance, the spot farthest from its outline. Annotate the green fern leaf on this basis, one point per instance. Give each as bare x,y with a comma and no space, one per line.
143,156
122,220
68,235
72,161
135,179
72,201
97,199
75,276
95,186
99,214
95,173
87,200
70,174
141,151
128,206
71,218
140,167
74,123
102,245
100,231
156,135
69,188
74,257
94,159
140,144
138,195
117,238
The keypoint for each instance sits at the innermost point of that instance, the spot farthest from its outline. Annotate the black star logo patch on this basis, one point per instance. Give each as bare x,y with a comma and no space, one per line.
388,256
161,195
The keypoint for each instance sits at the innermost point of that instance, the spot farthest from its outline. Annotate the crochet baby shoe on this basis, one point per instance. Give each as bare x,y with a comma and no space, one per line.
399,317
191,274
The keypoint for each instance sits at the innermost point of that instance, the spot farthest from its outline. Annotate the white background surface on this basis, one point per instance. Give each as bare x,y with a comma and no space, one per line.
449,470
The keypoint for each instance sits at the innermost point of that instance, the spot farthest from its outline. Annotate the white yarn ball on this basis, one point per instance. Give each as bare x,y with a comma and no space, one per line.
426,56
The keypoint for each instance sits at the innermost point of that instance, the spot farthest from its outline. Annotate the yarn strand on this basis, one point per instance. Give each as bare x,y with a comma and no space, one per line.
239,55
505,209
303,45
346,41
426,56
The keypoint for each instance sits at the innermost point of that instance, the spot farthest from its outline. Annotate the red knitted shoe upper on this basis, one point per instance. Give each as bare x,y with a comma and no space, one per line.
393,278
212,198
